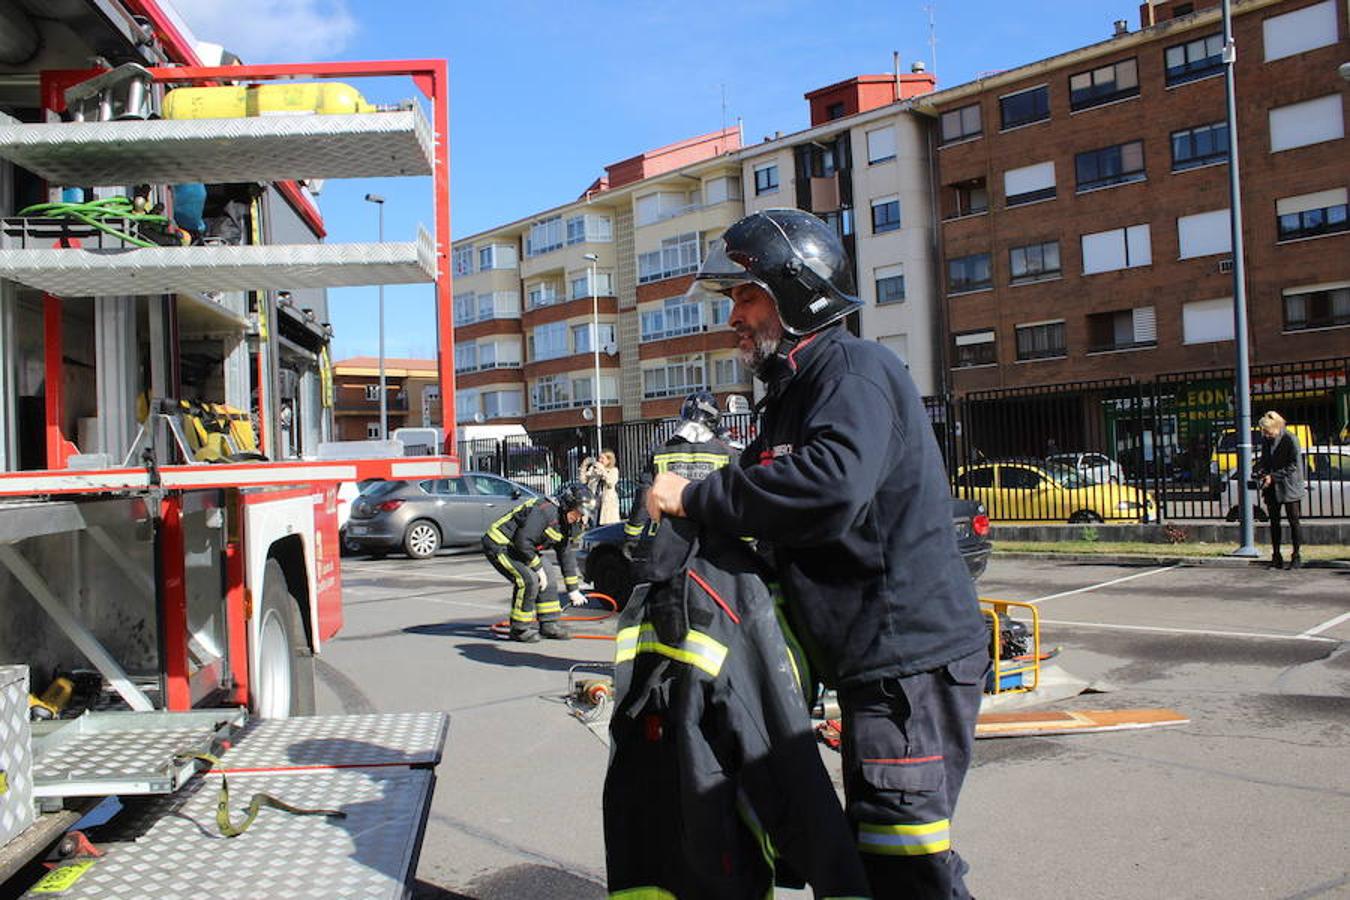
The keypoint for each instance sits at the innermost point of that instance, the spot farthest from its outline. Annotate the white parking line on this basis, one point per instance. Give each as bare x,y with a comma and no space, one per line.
1306,636
1329,623
1094,587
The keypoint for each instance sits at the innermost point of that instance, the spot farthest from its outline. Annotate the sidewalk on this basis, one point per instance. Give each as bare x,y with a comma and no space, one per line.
1322,556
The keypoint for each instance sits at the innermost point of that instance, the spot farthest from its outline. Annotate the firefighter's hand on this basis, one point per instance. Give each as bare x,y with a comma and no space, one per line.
576,597
664,496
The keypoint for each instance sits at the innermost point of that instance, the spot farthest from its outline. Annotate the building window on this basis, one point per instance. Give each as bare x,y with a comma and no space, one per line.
463,260
766,179
719,311
552,392
678,256
466,405
1044,340
1302,124
497,256
550,341
372,431
466,308
1029,184
674,318
1124,329
373,393
1207,321
881,145
1025,107
1120,164
546,236
890,282
974,348
1195,59
1120,248
581,337
1300,31
968,273
968,198
656,207
834,111
885,214
728,372
676,377
720,190
1199,146
466,357
1311,215
1319,307
1104,85
581,391
589,228
1205,234
503,404
1034,262
897,344
961,124
544,293
580,284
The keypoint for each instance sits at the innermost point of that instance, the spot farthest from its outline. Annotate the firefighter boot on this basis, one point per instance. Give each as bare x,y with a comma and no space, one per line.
556,631
526,634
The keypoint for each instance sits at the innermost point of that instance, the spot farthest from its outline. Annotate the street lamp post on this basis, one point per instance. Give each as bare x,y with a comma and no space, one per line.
1242,386
384,398
595,343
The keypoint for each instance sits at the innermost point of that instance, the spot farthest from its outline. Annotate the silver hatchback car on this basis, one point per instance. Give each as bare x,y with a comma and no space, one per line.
421,517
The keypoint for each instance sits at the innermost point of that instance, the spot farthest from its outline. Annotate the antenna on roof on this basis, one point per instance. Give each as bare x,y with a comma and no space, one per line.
932,38
724,107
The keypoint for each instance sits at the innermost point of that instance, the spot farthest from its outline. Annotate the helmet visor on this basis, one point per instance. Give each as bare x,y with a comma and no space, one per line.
719,272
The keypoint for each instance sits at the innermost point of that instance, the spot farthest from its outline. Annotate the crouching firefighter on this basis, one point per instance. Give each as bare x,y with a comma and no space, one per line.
513,545
694,450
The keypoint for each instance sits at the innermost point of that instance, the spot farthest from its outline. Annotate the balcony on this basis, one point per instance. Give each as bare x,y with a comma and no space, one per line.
396,403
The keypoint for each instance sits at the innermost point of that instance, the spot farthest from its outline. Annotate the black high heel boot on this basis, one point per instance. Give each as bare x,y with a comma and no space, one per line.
1295,561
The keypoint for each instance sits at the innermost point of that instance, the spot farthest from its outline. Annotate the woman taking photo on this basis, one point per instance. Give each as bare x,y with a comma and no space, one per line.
1280,471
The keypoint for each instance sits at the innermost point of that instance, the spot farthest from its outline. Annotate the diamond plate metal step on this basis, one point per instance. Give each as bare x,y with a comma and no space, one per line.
270,148
379,739
166,270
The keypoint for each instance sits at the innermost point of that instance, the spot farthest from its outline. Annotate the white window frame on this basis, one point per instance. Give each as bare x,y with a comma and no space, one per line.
885,149
372,431
1204,234
1304,124
972,338
887,273
889,341
720,189
729,371
1213,318
1131,246
1292,33
769,189
556,334
463,259
960,118
1028,184
899,214
372,393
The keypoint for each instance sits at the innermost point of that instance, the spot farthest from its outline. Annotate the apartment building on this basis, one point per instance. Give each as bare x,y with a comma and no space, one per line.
863,166
1084,200
598,283
412,395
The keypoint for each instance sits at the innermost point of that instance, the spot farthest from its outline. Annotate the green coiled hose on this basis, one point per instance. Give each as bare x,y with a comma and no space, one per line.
95,214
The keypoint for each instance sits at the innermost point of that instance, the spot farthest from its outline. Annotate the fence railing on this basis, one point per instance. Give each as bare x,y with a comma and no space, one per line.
1116,450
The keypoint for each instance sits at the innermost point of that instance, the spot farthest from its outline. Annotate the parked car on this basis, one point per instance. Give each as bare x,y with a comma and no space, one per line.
1031,490
421,517
1327,469
603,564
1225,459
348,491
1093,466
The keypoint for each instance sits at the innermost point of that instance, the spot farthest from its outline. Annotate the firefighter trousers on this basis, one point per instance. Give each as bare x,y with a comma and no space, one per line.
527,605
906,747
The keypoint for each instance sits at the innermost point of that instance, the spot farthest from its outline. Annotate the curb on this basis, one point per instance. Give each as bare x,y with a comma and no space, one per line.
1138,559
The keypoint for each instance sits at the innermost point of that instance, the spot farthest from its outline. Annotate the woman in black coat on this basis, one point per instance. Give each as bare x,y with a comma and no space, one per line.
1282,485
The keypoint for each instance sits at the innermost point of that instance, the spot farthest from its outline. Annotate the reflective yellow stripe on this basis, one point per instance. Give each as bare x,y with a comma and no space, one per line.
643,893
698,649
716,460
520,615
553,534
632,530
796,655
494,528
905,840
549,606
496,536
536,562
571,580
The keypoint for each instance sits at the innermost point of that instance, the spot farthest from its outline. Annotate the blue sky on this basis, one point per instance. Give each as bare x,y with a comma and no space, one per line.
544,94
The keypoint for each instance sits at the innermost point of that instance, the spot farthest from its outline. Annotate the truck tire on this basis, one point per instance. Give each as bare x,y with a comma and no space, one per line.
283,685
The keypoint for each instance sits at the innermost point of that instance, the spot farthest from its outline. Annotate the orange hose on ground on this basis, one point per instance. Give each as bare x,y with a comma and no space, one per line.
503,628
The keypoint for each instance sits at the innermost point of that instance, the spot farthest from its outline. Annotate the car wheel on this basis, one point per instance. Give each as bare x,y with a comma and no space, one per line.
422,539
613,575
1084,517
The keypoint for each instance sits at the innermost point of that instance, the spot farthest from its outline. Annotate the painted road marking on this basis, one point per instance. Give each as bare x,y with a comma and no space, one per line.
1306,636
1094,587
1329,623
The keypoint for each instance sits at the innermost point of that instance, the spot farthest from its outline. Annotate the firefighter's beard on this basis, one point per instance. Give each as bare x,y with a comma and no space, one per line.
758,345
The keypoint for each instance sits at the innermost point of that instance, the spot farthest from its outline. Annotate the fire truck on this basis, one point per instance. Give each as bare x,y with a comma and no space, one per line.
168,479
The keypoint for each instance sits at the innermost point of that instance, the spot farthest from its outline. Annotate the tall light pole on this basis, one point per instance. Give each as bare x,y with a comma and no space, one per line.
1242,386
384,397
595,343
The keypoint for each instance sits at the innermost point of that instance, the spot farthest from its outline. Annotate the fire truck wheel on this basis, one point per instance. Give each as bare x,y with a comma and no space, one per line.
284,682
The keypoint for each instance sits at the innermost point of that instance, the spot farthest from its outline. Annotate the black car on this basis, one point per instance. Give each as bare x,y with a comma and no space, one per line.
603,564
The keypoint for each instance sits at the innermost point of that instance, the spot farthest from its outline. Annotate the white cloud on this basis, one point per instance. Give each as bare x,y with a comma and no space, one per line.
272,30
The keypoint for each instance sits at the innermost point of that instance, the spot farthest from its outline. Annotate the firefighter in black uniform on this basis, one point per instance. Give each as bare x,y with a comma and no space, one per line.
513,544
845,486
694,450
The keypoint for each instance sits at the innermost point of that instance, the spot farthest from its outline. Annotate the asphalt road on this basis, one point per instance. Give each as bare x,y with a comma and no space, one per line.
1251,799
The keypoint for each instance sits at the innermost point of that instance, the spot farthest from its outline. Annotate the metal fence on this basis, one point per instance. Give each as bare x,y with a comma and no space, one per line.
1115,450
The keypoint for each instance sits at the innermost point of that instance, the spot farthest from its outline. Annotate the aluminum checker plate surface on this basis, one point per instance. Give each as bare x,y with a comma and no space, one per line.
272,148
166,270
380,739
115,755
16,753
367,854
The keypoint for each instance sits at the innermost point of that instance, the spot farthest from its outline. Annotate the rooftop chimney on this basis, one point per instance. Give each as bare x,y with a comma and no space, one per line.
1122,27
918,68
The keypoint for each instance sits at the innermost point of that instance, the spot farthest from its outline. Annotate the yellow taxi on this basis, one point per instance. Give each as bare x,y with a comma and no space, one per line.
1033,490
1225,459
